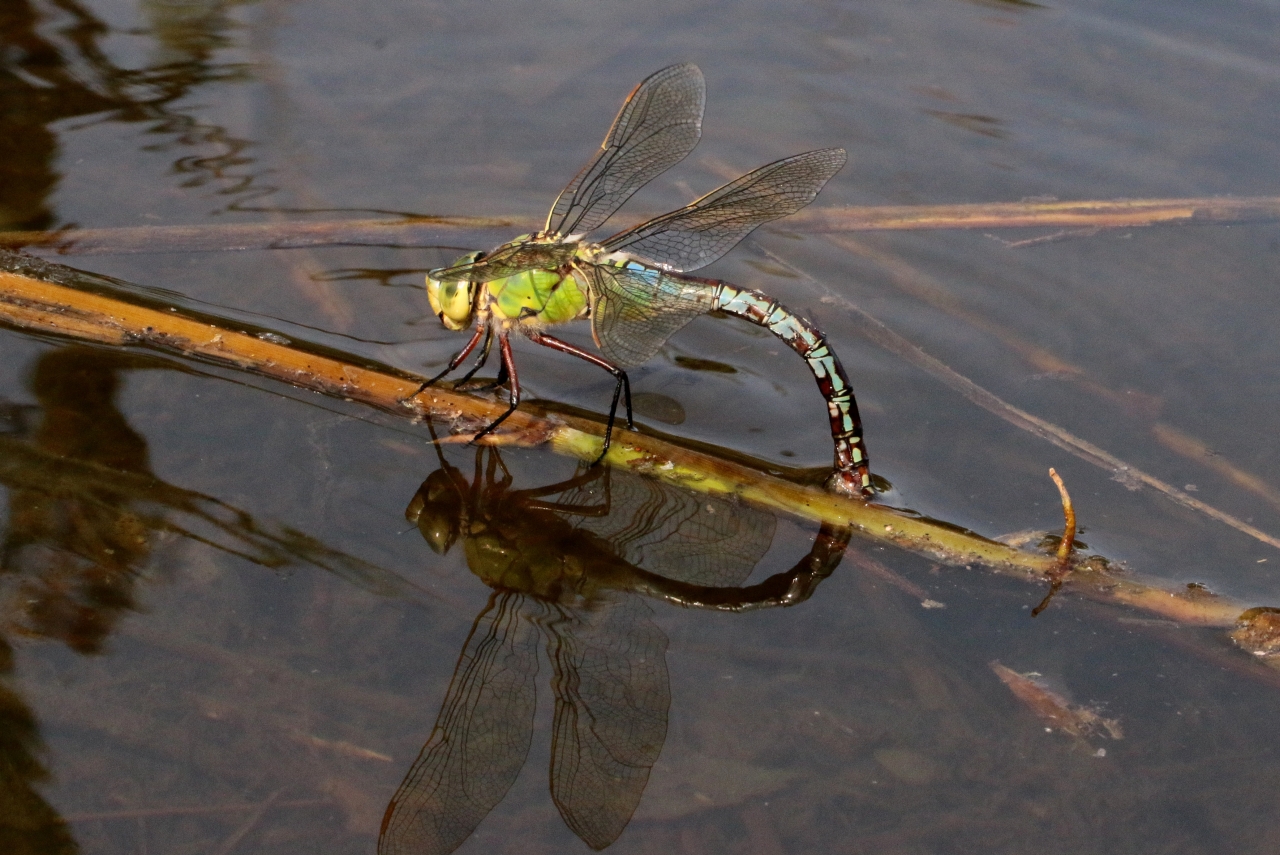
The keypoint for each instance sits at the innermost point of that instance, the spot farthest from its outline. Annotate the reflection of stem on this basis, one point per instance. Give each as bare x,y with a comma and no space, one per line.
43,306
424,230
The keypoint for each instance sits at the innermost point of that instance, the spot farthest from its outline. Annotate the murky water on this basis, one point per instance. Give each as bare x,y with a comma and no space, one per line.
221,634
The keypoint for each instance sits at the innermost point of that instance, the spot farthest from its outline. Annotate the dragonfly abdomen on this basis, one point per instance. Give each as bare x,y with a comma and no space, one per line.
852,474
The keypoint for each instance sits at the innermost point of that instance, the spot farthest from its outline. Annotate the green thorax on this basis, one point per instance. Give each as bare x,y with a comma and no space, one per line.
547,295
551,296
541,555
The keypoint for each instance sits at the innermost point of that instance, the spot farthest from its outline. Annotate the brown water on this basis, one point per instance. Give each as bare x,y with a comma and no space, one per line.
247,653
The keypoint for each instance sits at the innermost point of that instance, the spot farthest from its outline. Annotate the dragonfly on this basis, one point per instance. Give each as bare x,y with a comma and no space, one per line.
635,286
571,565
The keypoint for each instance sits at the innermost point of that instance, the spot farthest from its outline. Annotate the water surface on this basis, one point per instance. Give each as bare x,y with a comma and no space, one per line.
248,654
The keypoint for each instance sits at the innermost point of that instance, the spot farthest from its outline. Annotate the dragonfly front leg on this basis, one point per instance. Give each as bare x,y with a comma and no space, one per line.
500,380
508,362
623,386
458,358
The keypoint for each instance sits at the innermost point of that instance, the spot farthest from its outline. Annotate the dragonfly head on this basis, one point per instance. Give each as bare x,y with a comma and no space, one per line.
454,303
439,509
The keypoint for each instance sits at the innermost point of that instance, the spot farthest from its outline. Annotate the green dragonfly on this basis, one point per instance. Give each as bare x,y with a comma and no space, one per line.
634,286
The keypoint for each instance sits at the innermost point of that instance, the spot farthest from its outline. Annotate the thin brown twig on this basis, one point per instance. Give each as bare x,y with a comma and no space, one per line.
1093,213
405,231
1191,448
1058,574
428,230
1068,516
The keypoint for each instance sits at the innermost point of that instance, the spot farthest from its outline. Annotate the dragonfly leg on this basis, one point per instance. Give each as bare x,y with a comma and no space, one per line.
481,329
500,380
504,347
481,360
623,386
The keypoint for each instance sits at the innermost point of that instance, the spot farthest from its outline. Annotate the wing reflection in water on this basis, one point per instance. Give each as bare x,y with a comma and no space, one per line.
565,563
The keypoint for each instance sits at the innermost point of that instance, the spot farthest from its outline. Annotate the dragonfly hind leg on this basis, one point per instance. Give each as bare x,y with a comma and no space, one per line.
509,368
623,387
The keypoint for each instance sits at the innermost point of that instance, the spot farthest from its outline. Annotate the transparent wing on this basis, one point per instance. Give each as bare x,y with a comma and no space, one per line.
689,537
658,126
508,260
612,698
702,231
479,742
634,312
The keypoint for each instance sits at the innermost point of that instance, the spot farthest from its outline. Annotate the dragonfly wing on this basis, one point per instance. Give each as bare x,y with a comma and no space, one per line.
634,311
689,537
612,697
479,741
507,261
702,231
658,126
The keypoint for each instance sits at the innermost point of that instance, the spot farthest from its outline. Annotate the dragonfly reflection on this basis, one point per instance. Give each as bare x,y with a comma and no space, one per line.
565,564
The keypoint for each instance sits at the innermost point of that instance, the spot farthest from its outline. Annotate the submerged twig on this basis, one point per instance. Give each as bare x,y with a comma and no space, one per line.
427,230
58,308
1053,709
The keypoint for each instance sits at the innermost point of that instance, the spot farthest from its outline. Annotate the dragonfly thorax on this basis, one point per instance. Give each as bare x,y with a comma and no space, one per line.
535,297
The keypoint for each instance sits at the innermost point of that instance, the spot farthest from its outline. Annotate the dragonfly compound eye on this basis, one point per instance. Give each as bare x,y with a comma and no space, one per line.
451,302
